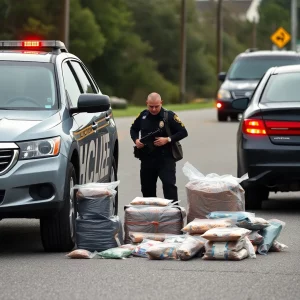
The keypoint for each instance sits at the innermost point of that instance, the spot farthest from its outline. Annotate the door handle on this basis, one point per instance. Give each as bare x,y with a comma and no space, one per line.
94,126
107,118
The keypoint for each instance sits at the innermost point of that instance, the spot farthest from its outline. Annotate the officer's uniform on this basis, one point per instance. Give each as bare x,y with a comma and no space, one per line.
159,161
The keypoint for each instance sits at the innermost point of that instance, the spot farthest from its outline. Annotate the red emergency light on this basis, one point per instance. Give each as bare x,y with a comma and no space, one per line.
31,44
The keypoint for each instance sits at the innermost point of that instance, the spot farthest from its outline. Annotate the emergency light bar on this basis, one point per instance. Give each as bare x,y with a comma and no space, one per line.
34,44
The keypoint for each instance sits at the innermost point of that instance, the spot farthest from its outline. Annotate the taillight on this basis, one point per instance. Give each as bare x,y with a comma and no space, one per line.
219,105
253,126
283,127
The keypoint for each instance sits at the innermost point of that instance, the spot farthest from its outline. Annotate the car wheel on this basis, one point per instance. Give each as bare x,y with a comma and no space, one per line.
222,117
58,230
254,197
114,177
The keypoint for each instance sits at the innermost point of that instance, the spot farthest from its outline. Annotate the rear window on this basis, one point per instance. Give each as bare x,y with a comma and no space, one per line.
282,88
253,68
27,86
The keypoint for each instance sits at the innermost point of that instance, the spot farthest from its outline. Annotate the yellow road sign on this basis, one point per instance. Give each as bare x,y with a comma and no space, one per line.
280,37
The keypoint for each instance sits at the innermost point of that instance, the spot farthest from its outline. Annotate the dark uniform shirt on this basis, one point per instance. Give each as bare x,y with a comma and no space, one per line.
146,123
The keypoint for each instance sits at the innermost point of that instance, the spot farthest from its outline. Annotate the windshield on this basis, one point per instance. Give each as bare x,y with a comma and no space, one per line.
253,68
27,86
282,88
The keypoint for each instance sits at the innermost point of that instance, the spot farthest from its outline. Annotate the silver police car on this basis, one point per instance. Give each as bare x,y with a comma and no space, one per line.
56,130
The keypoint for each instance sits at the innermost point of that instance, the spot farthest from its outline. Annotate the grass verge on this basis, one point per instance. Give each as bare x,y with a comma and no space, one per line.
135,110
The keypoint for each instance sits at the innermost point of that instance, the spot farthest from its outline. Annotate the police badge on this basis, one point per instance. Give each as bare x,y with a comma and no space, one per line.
161,124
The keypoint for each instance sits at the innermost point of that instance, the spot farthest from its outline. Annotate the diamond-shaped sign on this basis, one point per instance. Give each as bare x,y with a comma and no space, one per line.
280,37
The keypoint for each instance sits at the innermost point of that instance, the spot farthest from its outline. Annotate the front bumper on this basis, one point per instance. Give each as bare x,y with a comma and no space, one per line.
16,197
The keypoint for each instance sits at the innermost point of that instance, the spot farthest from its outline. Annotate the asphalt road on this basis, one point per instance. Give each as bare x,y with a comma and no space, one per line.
27,272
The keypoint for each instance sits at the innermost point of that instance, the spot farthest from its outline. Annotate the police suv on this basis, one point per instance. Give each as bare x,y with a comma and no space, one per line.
56,130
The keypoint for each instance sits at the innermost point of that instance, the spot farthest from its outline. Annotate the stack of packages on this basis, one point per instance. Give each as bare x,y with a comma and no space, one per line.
214,197
263,233
224,240
176,247
212,193
153,215
156,225
97,229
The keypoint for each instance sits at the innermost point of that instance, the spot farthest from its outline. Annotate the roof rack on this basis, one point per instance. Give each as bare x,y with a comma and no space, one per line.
34,44
251,50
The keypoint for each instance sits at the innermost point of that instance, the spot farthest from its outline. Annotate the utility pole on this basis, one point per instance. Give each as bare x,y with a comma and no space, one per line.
294,23
65,21
254,33
182,51
219,37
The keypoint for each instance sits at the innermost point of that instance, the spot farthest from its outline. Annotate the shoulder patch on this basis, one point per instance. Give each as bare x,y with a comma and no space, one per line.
136,118
176,118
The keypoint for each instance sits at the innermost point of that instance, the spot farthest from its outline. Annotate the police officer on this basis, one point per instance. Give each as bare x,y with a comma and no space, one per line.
156,156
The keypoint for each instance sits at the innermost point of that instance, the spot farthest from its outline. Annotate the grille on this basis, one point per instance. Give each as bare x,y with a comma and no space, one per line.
241,93
8,157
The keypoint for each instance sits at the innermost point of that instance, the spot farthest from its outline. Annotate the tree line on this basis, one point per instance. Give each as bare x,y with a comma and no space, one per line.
132,47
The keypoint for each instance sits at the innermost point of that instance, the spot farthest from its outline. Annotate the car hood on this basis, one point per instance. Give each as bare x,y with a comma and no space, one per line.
16,125
240,84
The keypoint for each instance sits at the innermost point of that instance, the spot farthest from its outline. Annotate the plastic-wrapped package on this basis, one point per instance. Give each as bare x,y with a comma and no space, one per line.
163,251
238,215
225,234
81,253
100,234
118,252
153,219
253,223
138,237
150,201
95,200
202,225
216,254
270,234
278,247
226,246
143,247
131,247
190,247
212,192
249,247
176,238
255,238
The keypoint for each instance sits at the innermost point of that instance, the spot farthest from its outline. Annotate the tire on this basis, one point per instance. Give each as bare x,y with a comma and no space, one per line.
222,117
58,231
114,177
254,197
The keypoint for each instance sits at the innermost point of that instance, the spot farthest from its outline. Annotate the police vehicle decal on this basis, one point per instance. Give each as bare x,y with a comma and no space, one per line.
79,135
94,159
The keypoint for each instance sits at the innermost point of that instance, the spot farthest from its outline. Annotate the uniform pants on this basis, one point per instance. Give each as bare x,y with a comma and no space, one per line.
165,169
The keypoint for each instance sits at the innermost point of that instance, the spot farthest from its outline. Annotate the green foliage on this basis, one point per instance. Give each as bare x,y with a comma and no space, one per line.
86,38
132,47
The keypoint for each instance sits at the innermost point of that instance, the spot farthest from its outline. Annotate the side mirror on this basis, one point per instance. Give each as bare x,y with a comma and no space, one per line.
222,76
240,103
92,103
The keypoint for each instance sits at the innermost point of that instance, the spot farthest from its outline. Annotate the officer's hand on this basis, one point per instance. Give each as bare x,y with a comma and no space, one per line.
160,141
139,144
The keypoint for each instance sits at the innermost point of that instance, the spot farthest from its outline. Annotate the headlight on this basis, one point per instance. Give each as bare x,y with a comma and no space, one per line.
224,94
39,148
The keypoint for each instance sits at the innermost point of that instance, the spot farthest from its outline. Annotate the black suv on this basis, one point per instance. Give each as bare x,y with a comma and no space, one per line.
243,76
